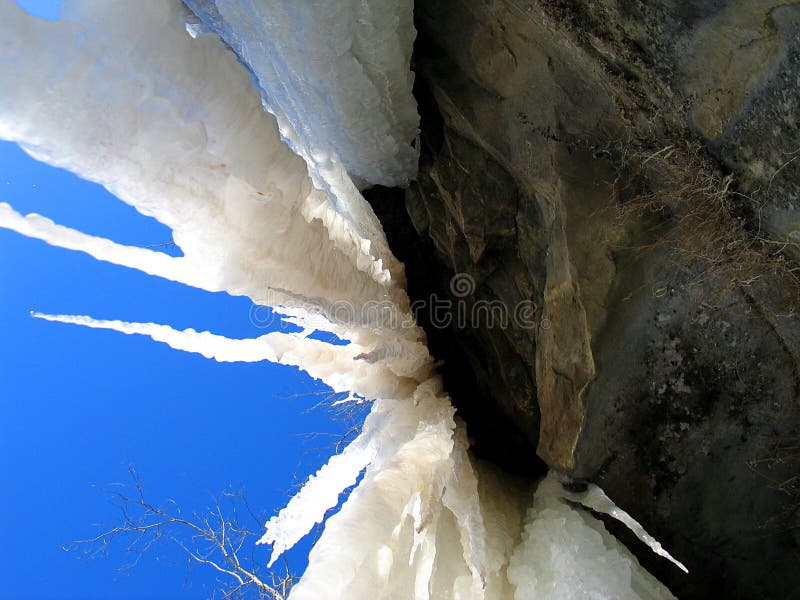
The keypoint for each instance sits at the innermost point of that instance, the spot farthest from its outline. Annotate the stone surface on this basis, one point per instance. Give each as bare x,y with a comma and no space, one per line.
604,171
491,109
729,69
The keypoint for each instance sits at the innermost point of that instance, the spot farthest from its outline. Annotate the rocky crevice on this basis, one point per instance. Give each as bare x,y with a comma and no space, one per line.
616,167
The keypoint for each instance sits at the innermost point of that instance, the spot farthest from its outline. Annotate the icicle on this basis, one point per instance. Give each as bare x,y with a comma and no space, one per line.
147,261
567,554
321,491
596,499
334,365
378,525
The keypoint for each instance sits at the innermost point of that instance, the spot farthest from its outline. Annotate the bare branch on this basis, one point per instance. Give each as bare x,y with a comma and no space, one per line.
214,539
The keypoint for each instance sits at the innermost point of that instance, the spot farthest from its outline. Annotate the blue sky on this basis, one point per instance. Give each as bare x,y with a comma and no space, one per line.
79,405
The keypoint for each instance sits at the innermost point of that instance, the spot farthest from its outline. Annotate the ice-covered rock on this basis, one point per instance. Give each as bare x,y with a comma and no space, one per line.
365,116
165,116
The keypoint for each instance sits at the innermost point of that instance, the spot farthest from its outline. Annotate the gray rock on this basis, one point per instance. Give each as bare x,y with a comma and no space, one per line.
611,166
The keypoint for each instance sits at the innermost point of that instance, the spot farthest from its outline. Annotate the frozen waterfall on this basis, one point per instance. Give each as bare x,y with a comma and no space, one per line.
248,127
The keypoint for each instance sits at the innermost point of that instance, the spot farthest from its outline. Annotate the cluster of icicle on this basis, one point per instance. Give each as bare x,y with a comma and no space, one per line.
166,108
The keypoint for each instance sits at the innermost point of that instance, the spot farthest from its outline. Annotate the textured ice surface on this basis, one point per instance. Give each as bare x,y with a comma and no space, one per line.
181,135
567,554
137,97
363,117
336,76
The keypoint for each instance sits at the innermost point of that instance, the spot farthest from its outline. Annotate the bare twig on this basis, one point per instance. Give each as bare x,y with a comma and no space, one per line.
215,539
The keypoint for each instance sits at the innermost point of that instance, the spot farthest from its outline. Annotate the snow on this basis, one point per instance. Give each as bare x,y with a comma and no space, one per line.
147,100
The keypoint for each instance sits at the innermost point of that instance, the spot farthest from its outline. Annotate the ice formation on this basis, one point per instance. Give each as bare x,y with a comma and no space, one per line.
147,99
363,119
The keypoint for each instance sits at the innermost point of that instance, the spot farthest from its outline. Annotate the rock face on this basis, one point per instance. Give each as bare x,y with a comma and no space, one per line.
730,69
602,192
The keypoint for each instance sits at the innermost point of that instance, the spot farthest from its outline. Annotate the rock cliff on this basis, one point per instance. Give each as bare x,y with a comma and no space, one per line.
622,178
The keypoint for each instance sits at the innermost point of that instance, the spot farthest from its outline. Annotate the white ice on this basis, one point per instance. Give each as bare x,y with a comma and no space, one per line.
364,118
